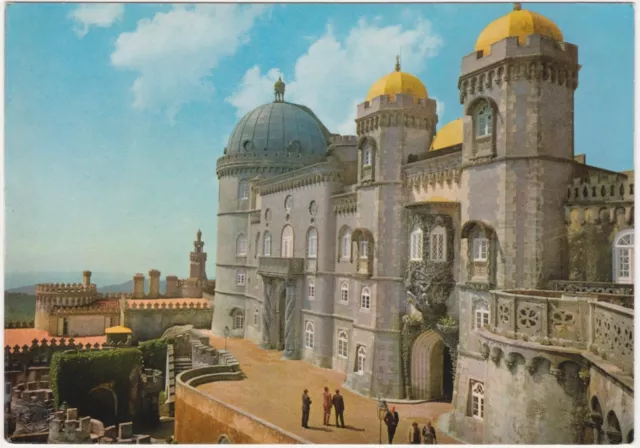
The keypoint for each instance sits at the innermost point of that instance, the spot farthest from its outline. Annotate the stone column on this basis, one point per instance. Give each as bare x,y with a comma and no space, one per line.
86,278
290,321
266,312
154,284
138,286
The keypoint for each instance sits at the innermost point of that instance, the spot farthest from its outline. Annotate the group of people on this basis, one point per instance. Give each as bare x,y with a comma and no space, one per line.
328,401
416,436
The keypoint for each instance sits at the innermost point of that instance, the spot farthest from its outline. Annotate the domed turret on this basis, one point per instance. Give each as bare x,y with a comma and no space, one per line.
518,23
397,82
449,135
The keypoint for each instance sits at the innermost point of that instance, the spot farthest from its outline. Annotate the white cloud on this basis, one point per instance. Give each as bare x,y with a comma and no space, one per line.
99,14
333,76
175,52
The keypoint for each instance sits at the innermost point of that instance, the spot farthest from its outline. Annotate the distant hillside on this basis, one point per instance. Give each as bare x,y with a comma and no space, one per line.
19,307
31,290
16,280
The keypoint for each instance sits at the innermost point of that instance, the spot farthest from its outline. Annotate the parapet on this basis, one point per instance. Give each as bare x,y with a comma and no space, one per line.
65,289
167,304
405,102
344,140
600,188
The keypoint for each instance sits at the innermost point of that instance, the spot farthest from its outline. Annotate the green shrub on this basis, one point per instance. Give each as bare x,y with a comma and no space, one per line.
74,374
154,354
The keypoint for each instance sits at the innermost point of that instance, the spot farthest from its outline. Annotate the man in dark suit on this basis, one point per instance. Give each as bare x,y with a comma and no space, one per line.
306,407
338,404
391,420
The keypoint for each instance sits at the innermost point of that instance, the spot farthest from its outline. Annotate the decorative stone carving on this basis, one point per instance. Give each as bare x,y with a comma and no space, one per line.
510,360
496,354
485,351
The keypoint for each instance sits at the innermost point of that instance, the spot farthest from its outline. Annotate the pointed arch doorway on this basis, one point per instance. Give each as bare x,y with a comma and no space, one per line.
431,374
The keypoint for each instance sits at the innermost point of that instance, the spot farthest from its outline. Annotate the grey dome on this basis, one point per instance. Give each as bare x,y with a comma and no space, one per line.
279,127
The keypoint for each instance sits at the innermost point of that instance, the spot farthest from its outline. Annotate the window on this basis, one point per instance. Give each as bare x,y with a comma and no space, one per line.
481,315
344,292
238,320
484,120
243,190
480,246
256,317
438,249
311,289
343,344
361,358
287,242
366,155
364,249
623,253
241,245
345,244
257,246
240,277
312,243
415,249
308,334
477,399
266,244
365,299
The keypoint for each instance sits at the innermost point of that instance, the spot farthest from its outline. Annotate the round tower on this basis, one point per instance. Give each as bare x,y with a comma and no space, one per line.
271,140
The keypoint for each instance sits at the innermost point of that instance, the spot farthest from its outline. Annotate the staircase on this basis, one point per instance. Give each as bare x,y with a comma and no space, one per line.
181,364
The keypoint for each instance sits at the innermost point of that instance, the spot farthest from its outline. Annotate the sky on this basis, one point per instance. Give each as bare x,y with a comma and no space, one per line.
116,113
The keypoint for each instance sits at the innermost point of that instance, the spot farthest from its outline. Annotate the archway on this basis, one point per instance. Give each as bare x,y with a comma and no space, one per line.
103,405
431,377
614,435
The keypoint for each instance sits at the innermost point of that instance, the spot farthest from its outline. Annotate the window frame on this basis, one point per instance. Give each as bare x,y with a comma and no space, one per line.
482,315
243,190
284,253
480,245
344,287
343,343
483,120
311,288
366,155
312,243
438,232
628,251
241,245
364,249
476,395
345,244
238,317
241,277
365,292
361,359
266,242
309,335
416,243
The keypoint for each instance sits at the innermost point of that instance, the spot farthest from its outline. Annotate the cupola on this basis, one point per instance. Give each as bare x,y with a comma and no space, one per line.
397,82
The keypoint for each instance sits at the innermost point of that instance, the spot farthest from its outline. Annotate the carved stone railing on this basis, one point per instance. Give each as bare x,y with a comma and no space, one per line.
280,267
592,287
564,320
612,333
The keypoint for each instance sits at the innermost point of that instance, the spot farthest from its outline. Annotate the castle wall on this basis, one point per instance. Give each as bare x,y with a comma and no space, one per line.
151,323
85,325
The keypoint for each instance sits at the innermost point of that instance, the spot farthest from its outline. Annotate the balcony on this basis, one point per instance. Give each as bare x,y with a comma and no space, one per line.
280,267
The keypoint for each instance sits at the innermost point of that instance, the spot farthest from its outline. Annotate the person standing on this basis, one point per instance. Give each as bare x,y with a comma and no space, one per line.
326,405
391,419
429,434
338,403
414,434
306,407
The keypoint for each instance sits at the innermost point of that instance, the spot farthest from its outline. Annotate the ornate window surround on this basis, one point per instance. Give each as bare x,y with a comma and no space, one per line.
343,344
476,399
309,334
361,359
623,257
484,140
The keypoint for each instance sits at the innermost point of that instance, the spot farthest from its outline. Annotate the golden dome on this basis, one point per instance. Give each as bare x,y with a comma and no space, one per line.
518,23
397,82
449,135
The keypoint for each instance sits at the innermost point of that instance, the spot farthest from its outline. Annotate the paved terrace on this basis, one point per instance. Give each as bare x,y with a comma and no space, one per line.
273,389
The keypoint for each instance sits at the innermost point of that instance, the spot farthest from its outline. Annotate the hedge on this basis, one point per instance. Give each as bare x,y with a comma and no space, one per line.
154,354
74,374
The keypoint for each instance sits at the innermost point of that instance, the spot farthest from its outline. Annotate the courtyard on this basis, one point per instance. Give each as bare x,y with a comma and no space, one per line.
273,388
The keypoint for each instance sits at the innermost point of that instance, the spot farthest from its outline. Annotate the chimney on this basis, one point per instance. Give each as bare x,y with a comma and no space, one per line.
86,277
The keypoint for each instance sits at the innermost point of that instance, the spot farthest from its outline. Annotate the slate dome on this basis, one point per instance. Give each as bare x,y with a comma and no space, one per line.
279,127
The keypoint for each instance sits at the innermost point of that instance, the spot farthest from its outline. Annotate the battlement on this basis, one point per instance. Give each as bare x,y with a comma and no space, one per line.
535,45
168,305
405,102
55,344
601,187
343,139
65,289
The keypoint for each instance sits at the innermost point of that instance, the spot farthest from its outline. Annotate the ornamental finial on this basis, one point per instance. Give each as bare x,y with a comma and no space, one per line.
397,63
279,90
517,6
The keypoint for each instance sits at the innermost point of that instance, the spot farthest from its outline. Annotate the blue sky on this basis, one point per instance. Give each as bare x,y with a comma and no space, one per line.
116,114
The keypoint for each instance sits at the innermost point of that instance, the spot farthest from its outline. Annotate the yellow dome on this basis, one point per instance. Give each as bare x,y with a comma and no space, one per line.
449,135
397,82
518,23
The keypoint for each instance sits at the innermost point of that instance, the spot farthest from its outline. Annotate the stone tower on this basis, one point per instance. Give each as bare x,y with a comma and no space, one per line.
517,91
198,259
395,125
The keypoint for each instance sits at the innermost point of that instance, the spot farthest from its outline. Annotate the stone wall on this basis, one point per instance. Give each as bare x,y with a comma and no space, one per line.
151,323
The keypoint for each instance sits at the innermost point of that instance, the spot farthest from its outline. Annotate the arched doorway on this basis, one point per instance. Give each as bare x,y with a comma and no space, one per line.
431,377
103,405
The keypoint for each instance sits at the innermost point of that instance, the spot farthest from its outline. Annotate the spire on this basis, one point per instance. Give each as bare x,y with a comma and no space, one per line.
517,6
397,63
279,90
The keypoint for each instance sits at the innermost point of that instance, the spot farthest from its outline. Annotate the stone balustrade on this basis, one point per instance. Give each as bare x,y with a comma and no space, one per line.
592,287
280,267
162,305
612,333
601,188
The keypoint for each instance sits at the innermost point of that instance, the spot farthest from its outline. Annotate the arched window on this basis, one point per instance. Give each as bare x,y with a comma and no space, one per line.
257,246
344,292
480,246
243,189
241,277
266,244
238,320
366,154
345,244
365,299
477,399
484,120
311,289
364,249
438,240
415,244
623,251
343,344
312,243
287,242
361,359
241,245
308,334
